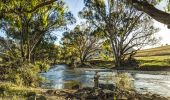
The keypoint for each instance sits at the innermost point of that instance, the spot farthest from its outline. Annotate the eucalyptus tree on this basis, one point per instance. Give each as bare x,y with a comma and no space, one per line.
83,43
8,6
126,28
32,22
8,50
29,26
148,6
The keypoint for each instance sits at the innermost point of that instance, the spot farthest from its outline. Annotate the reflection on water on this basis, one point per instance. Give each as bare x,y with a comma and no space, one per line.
61,77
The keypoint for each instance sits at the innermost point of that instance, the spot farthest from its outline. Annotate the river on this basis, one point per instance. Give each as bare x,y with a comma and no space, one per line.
61,77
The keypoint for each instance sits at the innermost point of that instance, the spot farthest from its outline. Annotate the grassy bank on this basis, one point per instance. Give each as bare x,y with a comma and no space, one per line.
154,58
14,92
154,62
9,91
148,59
145,63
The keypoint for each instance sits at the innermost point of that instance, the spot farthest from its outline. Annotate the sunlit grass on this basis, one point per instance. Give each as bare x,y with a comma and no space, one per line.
154,61
154,57
10,90
159,51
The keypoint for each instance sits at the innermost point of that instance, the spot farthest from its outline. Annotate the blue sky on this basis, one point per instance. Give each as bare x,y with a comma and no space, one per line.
76,5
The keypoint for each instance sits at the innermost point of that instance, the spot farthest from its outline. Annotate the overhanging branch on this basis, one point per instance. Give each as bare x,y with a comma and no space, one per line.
145,6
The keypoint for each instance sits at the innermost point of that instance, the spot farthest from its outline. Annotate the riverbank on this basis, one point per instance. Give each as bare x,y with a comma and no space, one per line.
144,63
88,93
9,91
15,92
148,63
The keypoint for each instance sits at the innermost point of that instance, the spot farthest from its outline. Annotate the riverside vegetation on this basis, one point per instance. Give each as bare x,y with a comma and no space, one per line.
113,35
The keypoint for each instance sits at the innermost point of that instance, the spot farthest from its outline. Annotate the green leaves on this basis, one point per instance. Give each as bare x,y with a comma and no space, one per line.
30,25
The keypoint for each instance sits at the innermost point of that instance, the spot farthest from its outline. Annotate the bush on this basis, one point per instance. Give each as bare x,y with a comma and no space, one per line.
124,81
3,89
25,74
30,76
42,66
11,91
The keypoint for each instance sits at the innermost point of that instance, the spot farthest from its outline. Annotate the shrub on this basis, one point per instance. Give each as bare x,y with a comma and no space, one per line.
30,76
5,88
10,91
42,66
123,81
22,73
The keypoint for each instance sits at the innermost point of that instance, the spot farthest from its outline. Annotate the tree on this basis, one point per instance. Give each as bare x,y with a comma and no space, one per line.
29,27
82,42
9,51
126,28
34,5
149,8
32,27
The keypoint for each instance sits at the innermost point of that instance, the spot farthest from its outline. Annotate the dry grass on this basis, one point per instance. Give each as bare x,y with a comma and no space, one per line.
9,91
155,57
159,51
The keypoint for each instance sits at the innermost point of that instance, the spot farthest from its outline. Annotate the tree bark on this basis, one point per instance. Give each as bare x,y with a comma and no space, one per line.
116,56
155,13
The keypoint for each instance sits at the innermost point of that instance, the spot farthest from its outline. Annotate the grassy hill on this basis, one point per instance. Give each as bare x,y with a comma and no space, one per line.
154,58
159,51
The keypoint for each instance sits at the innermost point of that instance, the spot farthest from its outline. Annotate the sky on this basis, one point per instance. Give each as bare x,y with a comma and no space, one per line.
77,5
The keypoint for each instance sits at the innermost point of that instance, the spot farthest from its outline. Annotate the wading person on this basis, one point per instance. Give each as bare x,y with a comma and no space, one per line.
96,80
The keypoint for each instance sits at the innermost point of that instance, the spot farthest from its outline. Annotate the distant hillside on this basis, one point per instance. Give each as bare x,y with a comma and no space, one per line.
159,51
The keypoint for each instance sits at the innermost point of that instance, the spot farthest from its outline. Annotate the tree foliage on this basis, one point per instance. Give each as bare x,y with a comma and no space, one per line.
29,27
124,26
82,43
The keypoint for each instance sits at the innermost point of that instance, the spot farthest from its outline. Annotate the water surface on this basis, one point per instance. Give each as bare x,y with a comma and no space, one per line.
61,77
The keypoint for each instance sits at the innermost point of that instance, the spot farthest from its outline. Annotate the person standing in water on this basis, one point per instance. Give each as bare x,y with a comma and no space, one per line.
96,80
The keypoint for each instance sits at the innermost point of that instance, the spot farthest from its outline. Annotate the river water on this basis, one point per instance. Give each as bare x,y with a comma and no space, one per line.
61,77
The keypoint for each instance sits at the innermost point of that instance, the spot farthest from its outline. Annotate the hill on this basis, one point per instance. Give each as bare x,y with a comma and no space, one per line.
154,58
158,51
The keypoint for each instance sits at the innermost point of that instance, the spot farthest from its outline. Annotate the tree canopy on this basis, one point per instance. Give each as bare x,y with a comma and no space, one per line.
33,28
29,27
83,43
122,24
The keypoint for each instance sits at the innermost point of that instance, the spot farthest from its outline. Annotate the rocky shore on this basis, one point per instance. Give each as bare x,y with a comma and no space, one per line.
103,93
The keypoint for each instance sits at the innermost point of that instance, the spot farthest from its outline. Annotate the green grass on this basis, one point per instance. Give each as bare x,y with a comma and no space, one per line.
151,59
157,58
10,91
154,61
154,58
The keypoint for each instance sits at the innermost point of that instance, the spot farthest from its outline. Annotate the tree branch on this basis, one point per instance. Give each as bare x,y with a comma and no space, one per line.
40,5
155,13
